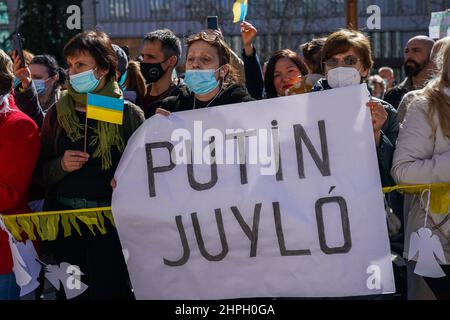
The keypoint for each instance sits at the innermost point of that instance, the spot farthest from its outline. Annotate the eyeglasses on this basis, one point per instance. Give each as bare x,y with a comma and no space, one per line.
349,61
206,36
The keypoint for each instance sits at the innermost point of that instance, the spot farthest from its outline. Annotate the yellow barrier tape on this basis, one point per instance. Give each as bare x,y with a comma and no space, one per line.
439,199
27,226
45,225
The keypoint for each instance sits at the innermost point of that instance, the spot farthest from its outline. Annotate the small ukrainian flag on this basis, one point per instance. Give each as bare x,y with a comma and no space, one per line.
104,108
240,9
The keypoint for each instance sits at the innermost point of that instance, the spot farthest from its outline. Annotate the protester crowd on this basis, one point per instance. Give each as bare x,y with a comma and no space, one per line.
47,165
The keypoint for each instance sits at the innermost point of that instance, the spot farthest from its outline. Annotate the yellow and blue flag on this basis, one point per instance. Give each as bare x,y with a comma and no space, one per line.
104,108
240,9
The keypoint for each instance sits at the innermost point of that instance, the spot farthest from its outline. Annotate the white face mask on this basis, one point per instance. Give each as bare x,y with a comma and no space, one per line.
343,77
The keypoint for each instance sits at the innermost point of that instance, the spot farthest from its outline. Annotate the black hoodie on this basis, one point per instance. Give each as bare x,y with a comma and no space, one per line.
185,100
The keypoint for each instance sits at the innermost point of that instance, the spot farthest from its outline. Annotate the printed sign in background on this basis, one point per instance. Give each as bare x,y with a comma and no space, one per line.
314,228
440,24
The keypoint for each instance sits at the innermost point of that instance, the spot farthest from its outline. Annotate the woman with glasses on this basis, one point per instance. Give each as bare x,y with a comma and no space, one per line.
210,79
347,58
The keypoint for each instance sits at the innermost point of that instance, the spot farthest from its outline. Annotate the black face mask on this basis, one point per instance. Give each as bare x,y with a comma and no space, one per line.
152,72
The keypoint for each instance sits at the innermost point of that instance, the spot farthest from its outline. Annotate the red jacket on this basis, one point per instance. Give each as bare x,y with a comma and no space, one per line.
19,151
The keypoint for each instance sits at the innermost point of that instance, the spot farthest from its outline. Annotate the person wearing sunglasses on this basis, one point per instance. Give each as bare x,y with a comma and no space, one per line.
347,61
210,79
347,58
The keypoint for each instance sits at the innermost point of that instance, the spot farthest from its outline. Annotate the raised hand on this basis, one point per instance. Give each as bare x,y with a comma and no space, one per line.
248,34
23,74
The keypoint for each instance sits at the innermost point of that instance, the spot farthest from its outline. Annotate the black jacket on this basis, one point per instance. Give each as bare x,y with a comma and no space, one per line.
254,80
28,102
389,133
396,94
150,109
185,100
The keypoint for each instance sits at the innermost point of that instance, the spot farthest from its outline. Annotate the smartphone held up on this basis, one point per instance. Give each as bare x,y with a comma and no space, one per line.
18,48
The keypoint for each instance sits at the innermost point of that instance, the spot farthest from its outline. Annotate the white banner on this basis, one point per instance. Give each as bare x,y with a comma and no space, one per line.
307,220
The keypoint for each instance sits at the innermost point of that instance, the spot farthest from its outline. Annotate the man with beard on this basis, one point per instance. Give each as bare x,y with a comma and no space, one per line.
410,96
417,67
160,52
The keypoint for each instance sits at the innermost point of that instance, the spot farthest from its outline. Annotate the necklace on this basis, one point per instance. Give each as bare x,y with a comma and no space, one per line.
209,103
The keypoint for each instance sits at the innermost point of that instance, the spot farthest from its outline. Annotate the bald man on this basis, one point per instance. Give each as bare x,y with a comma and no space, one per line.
409,97
418,69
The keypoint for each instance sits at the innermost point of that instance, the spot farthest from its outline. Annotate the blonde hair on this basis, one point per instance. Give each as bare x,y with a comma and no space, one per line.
6,73
438,101
6,79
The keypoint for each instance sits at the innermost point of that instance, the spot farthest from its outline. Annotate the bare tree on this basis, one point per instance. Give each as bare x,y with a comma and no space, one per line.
279,22
292,20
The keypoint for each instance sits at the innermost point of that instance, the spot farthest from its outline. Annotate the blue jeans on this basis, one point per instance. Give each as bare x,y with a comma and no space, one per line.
9,290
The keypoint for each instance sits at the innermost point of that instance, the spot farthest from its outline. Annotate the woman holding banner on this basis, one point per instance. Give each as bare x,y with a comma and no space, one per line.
78,160
347,58
19,150
423,157
210,78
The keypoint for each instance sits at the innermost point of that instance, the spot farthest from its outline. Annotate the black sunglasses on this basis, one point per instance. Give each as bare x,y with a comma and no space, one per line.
349,61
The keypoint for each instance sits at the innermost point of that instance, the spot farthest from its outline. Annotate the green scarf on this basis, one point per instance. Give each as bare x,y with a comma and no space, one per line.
105,135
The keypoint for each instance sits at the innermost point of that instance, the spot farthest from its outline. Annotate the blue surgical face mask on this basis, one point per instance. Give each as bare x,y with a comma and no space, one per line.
122,80
16,82
84,82
40,86
201,81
